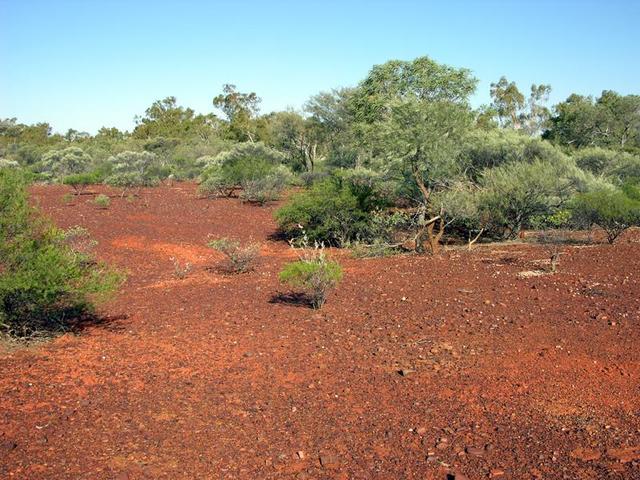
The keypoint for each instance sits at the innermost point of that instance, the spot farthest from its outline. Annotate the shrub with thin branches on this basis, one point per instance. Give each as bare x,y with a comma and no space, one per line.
314,273
240,258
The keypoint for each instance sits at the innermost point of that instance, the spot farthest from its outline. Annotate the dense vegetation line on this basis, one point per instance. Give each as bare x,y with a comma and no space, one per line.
400,161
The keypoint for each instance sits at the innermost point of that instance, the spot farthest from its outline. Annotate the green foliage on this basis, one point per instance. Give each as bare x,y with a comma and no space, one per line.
240,259
612,210
80,181
46,280
267,188
249,150
166,119
514,193
610,121
512,111
255,168
67,198
488,149
336,211
132,169
239,108
314,274
61,163
5,163
102,201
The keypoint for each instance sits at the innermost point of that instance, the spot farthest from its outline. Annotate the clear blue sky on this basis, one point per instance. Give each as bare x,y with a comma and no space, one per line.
88,63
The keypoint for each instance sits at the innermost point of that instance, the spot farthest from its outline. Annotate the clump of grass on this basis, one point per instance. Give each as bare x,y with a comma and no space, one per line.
180,270
240,259
68,198
314,273
102,201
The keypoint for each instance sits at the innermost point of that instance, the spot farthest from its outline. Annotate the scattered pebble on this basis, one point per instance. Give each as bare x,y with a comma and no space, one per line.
329,461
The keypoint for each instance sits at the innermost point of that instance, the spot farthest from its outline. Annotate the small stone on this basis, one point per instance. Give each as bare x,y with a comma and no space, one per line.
301,455
8,445
432,458
405,372
457,476
421,430
585,454
475,451
496,472
329,461
624,455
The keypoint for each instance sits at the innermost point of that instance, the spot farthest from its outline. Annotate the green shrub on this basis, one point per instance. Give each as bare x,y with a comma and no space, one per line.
102,201
67,198
489,149
80,181
46,280
314,274
309,178
61,163
250,150
612,210
240,258
513,194
254,168
617,166
133,169
336,211
267,188
224,180
6,163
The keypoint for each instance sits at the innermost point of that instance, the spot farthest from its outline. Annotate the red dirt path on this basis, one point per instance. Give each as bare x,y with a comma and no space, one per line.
209,377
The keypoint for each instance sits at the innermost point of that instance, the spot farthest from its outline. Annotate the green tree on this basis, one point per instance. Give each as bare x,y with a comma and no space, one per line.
508,101
46,279
132,169
69,161
299,138
415,115
612,210
611,121
240,110
165,118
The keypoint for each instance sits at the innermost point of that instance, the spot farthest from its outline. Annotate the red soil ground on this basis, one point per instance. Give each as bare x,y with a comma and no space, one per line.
213,377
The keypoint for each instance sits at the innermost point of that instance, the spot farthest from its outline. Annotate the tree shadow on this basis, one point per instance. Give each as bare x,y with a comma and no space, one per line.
278,236
294,299
112,323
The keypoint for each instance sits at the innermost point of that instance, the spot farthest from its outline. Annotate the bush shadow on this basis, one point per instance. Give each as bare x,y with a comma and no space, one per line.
293,299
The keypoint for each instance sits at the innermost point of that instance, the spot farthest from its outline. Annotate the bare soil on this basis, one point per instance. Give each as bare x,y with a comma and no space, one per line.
457,366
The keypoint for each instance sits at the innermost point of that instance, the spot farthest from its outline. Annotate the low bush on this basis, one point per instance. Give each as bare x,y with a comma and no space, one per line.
102,201
336,211
240,259
254,171
245,163
132,170
80,181
314,274
61,163
47,277
180,270
513,194
267,188
612,210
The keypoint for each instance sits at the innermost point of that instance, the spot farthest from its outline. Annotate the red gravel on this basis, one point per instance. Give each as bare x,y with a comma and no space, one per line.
213,377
